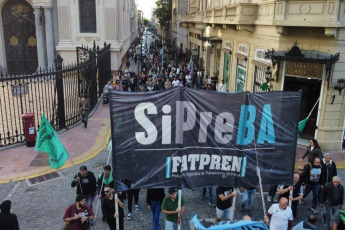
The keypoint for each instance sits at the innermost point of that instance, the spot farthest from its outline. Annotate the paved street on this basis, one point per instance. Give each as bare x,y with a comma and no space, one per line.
42,206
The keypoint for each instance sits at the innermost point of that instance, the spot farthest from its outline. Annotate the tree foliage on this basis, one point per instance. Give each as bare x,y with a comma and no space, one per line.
147,21
163,12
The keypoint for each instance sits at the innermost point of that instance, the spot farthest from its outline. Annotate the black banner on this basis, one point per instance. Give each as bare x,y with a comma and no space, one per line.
197,138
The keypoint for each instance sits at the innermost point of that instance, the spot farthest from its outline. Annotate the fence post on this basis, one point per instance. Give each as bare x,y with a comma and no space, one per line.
60,93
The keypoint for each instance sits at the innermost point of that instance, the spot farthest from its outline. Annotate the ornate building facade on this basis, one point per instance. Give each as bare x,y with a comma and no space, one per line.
35,31
261,45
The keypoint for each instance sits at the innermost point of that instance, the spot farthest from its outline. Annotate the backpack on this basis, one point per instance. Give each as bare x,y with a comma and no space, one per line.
315,174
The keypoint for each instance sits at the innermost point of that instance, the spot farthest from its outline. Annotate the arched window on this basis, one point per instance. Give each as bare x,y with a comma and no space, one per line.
87,16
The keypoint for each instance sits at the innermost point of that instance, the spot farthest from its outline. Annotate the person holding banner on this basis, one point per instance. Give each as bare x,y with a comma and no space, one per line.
224,202
170,209
297,193
280,215
105,178
108,208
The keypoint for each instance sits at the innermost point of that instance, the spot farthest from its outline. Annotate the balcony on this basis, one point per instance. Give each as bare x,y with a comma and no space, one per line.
242,13
326,13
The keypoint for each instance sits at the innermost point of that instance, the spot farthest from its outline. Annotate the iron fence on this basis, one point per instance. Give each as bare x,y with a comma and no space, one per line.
54,92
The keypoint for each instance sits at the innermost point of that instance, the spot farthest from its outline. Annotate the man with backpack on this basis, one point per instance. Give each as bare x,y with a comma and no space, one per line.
313,179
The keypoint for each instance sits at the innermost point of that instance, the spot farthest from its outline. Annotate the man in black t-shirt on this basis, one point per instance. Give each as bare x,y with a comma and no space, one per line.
108,208
224,202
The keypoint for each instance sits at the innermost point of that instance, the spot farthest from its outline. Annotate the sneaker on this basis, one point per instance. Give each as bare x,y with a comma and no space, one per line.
136,207
129,216
324,218
269,198
314,210
202,198
275,200
213,205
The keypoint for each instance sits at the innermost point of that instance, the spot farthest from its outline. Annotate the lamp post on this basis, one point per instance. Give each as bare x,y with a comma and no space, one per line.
139,53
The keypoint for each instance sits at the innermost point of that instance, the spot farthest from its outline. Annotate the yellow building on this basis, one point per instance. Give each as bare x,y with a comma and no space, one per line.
303,41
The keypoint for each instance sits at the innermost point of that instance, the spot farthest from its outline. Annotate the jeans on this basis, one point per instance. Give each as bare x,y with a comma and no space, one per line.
156,211
330,210
89,199
248,195
130,194
210,194
315,189
170,225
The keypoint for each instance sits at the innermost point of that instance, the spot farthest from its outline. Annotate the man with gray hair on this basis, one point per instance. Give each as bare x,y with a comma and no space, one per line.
332,197
329,168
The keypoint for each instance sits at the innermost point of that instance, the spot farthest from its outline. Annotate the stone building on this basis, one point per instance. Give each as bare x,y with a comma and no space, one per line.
178,32
33,32
306,44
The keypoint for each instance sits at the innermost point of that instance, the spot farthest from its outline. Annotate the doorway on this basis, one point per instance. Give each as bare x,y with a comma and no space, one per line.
310,93
18,22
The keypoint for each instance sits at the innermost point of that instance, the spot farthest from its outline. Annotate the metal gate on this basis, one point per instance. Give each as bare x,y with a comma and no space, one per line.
20,37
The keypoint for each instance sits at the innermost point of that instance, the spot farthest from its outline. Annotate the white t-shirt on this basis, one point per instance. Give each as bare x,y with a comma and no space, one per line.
279,218
221,87
175,83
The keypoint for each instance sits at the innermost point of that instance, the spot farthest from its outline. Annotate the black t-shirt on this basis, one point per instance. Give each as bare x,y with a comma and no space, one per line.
223,205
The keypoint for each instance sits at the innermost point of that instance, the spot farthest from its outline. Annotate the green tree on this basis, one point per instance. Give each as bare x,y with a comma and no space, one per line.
147,22
163,12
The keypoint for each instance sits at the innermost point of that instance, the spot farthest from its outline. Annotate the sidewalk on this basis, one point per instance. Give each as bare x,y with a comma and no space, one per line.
21,162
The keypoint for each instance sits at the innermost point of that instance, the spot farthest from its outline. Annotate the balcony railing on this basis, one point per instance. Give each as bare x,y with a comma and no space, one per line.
317,13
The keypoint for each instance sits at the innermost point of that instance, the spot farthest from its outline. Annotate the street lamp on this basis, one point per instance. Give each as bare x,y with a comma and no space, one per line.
340,85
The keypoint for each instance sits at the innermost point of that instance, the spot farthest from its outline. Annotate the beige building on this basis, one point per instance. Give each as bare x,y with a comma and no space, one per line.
306,44
33,32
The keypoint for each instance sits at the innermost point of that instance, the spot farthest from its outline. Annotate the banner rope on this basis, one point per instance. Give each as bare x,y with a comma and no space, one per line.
258,172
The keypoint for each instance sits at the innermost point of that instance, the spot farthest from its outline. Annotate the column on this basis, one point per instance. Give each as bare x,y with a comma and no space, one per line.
40,38
49,37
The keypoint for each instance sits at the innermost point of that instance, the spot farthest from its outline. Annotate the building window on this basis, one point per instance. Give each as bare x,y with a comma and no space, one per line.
87,16
241,74
259,78
260,66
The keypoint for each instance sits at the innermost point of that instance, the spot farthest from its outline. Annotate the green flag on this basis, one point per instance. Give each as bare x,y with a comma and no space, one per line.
301,126
49,142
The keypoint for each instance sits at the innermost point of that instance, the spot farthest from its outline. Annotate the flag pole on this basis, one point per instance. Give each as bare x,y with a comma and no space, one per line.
233,207
110,147
69,156
179,206
117,211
